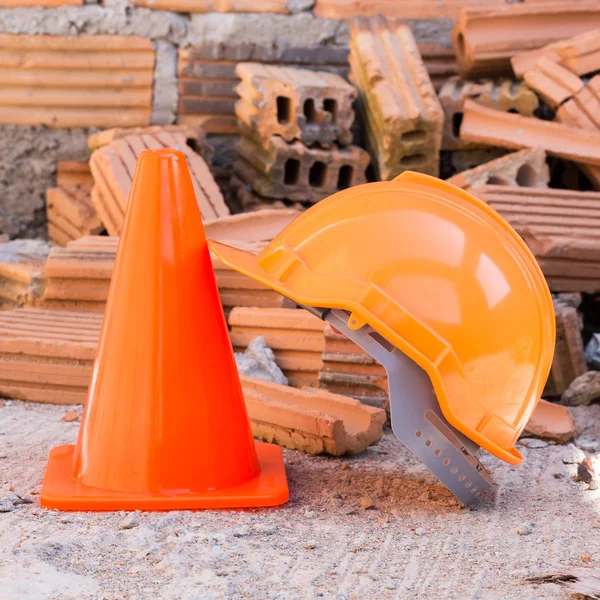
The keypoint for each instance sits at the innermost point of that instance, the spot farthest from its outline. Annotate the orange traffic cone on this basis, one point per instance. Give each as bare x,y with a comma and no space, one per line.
165,424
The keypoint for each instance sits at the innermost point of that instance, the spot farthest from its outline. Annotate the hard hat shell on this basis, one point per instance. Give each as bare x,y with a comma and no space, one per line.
441,276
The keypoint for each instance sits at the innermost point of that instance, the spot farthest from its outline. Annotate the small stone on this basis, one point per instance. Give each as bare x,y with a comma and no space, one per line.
389,585
366,502
344,466
2,455
585,470
583,389
525,529
533,443
71,416
420,531
558,475
593,484
22,499
586,559
261,529
242,532
6,505
2,404
310,545
130,521
310,514
588,445
572,455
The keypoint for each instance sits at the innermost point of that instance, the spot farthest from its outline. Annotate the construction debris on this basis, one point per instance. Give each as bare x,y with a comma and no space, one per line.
583,390
295,336
113,166
313,421
485,39
69,208
77,81
580,54
525,168
295,104
559,226
403,116
551,422
502,94
491,127
21,272
579,580
585,471
292,171
258,361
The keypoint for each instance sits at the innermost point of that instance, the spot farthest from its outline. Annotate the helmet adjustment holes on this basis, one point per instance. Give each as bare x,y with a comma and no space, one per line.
419,434
446,461
437,452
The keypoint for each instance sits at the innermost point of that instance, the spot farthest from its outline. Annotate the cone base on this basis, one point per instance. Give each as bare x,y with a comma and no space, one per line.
60,491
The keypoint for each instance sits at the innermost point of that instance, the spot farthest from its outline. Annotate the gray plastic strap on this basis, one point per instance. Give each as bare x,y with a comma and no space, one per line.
417,419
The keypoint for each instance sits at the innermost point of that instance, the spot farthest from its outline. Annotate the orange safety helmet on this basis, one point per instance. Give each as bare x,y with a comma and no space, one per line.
439,277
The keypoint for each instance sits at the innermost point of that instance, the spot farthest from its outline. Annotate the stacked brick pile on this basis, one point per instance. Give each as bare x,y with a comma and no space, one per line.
295,136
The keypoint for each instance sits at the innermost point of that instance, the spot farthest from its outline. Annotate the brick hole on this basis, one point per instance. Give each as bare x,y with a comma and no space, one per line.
527,176
413,160
316,176
345,177
460,41
309,110
284,109
414,136
497,181
291,171
456,123
330,105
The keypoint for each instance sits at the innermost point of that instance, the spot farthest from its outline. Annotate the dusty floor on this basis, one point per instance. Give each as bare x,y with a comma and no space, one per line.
415,542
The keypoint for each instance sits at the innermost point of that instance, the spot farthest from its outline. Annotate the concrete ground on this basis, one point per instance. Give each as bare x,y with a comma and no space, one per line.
414,542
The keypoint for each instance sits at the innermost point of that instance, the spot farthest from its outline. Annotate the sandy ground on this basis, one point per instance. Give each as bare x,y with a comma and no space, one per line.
415,542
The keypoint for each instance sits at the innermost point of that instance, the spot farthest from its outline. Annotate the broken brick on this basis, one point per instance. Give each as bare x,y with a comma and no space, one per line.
525,168
295,104
402,112
501,95
313,421
551,422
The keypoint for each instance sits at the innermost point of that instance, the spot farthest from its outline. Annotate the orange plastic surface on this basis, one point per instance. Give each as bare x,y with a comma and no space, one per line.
442,277
165,423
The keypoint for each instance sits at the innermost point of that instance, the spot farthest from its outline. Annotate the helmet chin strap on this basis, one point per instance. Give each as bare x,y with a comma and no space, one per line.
417,419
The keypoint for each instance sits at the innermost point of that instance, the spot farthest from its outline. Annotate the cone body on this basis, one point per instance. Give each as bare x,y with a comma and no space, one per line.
165,424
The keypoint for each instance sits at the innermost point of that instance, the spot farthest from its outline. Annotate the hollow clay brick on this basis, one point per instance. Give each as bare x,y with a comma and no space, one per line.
551,422
503,94
295,336
80,81
552,82
402,113
580,54
569,358
291,171
46,355
113,167
22,283
218,6
526,168
398,9
485,38
349,370
312,421
495,128
295,104
561,227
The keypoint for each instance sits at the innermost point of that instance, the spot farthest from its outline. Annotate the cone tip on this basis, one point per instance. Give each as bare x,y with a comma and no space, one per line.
161,154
